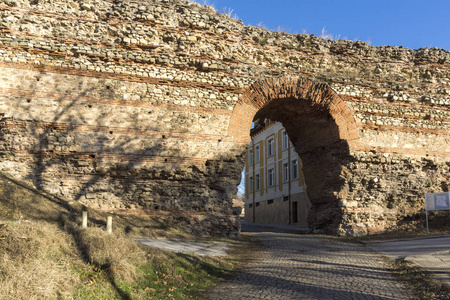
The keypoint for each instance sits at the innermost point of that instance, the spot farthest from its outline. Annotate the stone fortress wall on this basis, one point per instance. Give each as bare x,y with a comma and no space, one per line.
148,104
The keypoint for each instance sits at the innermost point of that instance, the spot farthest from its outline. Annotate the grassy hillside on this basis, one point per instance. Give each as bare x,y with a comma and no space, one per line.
45,254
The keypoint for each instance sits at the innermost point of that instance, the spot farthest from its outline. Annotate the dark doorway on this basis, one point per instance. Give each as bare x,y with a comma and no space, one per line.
294,212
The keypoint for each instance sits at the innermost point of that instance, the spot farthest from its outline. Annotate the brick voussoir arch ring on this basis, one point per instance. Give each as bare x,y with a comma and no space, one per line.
320,97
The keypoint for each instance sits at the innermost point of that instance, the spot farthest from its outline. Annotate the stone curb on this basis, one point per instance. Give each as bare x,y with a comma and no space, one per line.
404,239
437,264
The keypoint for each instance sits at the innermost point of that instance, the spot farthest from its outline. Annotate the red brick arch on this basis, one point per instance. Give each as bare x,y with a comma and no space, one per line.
322,129
321,98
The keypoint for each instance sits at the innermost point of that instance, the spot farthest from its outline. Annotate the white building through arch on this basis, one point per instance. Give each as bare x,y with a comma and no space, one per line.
275,189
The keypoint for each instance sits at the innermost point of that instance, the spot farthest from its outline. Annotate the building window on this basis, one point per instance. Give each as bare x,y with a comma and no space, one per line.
285,172
257,154
250,156
285,140
250,205
271,177
270,201
294,169
270,147
251,185
286,198
257,182
257,204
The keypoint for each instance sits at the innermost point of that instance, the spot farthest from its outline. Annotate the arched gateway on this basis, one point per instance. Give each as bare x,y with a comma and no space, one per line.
321,127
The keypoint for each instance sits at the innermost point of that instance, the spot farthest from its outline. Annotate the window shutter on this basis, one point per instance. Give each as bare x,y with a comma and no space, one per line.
280,143
261,178
280,175
261,153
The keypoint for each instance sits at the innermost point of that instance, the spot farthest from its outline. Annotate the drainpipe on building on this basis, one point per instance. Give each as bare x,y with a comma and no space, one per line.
253,183
289,183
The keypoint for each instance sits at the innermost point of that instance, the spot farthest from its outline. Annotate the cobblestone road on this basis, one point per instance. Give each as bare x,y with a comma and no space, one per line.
294,266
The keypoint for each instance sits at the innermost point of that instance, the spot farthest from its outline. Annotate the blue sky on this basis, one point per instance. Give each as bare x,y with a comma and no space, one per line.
409,23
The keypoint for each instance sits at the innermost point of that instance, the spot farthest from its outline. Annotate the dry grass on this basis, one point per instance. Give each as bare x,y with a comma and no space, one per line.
39,260
116,254
45,254
36,261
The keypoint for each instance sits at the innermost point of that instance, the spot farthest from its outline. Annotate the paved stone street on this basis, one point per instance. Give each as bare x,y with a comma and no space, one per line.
292,266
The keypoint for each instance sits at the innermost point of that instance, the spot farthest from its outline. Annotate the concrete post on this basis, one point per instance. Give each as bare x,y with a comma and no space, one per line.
109,225
85,219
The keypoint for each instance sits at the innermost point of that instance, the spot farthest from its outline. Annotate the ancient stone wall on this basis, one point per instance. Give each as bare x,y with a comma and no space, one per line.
148,105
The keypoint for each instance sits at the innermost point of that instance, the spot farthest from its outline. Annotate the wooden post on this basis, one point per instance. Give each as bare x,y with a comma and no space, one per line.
85,218
109,224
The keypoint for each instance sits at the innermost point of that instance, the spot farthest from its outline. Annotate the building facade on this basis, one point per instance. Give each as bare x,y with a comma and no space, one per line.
275,190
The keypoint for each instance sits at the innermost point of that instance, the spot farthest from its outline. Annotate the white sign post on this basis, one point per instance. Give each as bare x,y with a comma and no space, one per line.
436,201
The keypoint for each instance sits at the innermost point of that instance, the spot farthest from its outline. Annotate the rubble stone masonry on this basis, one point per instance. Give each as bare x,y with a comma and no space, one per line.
148,105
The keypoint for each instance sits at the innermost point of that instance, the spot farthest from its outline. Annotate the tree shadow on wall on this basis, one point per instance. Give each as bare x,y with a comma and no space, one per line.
78,135
70,134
